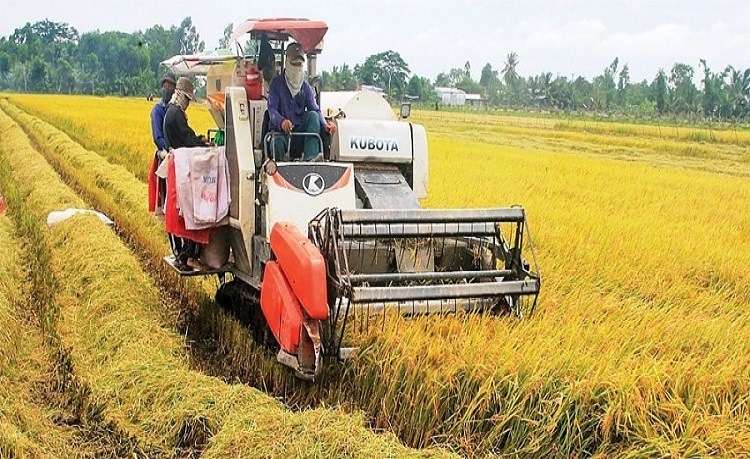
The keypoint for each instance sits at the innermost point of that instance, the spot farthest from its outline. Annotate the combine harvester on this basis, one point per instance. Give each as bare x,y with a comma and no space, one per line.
319,246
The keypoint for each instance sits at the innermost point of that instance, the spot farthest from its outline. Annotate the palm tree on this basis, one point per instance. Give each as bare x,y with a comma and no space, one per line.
544,86
510,76
739,90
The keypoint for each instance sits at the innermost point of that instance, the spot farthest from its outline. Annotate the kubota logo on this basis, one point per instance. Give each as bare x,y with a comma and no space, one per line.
313,184
372,143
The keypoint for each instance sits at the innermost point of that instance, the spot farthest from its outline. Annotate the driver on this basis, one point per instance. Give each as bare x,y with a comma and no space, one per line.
292,108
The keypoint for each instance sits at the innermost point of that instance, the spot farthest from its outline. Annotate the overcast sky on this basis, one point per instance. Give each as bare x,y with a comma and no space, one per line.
565,37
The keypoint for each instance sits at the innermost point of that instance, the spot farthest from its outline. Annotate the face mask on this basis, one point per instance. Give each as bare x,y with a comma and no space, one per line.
180,99
294,77
166,94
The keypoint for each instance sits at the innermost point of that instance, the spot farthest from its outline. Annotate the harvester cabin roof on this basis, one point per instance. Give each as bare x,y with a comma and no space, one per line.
307,33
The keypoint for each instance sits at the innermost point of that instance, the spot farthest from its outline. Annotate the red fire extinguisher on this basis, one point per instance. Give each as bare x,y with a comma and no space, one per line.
2,205
253,83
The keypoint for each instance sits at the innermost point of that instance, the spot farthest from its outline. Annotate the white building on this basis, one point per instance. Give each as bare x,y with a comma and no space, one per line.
451,96
474,100
375,89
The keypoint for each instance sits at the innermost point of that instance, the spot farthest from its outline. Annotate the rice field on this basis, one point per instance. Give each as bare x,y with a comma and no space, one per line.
641,341
107,311
27,422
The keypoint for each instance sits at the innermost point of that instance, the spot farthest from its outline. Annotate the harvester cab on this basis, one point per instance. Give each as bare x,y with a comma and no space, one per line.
319,246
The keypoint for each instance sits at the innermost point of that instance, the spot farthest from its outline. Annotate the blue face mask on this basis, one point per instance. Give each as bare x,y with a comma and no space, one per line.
166,95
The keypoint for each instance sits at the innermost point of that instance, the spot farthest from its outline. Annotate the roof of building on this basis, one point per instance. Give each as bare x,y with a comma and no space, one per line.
368,87
450,90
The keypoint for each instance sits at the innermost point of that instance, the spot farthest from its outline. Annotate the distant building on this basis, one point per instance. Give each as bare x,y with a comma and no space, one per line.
367,87
475,100
451,96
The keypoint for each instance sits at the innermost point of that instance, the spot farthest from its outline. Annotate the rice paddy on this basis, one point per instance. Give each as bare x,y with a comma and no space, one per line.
640,345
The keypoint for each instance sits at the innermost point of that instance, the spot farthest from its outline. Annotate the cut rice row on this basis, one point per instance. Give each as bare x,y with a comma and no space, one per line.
618,362
45,409
27,428
137,370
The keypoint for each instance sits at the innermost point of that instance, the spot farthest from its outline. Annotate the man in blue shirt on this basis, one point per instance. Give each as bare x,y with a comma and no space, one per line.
157,187
292,108
168,83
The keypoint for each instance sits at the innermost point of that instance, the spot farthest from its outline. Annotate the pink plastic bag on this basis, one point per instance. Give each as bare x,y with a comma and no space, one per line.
202,186
204,181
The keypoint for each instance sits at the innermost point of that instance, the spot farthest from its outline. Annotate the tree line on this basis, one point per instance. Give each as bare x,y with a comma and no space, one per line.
53,57
721,95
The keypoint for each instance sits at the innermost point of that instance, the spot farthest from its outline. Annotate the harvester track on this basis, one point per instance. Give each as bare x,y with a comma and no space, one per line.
230,296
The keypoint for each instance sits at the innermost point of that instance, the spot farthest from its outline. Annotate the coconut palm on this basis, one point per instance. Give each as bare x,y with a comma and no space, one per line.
510,76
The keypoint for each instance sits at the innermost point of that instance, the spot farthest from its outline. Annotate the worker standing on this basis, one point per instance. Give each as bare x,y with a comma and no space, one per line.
177,133
168,84
157,187
185,243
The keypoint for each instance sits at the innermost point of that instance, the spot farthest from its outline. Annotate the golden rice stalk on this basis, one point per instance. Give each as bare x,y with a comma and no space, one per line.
137,370
624,142
121,196
27,427
117,128
640,346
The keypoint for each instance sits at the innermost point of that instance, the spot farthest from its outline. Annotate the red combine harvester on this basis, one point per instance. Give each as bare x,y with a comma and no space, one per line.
317,246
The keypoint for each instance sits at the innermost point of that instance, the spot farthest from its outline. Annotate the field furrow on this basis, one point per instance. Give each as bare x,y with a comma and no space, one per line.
115,191
27,427
46,409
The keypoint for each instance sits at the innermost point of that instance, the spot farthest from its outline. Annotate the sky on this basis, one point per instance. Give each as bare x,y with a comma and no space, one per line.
566,37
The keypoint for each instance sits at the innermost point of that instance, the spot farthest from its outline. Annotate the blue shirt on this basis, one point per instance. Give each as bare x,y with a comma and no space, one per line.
157,125
281,104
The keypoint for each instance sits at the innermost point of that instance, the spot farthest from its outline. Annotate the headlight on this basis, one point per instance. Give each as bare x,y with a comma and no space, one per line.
270,167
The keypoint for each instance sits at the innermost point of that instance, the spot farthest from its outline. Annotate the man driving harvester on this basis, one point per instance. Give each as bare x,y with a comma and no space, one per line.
292,109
